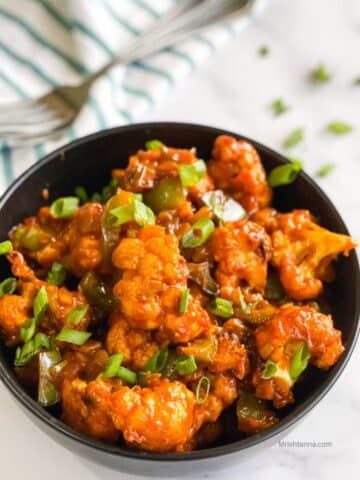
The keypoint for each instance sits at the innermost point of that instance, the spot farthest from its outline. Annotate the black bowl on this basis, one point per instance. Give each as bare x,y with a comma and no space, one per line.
88,162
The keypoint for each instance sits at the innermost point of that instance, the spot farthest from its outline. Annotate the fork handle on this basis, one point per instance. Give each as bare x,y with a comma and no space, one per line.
191,20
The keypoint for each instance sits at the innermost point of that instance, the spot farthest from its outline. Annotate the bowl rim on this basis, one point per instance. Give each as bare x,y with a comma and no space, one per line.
9,380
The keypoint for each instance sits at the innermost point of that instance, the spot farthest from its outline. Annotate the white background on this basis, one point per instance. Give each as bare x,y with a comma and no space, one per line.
234,90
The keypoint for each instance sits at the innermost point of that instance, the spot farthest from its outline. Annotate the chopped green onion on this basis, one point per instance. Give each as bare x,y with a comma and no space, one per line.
325,170
5,247
96,197
137,211
264,51
114,182
284,174
204,384
186,365
64,207
339,128
269,371
120,215
7,286
320,74
82,194
73,336
223,207
41,303
113,365
221,307
57,274
153,144
158,361
192,173
279,107
24,354
198,233
184,301
47,392
299,361
127,375
27,331
143,215
295,137
77,314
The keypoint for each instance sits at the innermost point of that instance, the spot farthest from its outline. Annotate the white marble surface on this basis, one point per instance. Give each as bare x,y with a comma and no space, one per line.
233,91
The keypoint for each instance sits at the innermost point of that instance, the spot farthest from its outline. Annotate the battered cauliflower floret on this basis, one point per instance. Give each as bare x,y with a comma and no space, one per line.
278,339
156,418
75,242
86,408
61,301
303,252
231,356
15,310
136,345
236,168
179,327
223,392
150,289
242,251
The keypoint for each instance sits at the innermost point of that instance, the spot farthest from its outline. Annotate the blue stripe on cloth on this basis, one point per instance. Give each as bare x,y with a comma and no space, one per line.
182,55
206,42
56,15
148,8
155,70
95,38
7,164
139,93
41,41
14,86
124,23
39,151
124,113
98,113
24,61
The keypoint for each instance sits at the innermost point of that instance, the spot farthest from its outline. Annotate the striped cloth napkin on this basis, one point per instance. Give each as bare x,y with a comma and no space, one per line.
46,43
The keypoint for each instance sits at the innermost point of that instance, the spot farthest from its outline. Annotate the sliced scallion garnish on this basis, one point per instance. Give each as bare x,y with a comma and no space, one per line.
299,361
192,173
31,348
320,74
57,274
7,286
339,128
158,361
202,390
325,170
113,365
284,174
221,307
198,233
186,365
279,107
76,337
127,375
5,247
184,301
269,371
153,144
77,314
82,194
64,207
294,138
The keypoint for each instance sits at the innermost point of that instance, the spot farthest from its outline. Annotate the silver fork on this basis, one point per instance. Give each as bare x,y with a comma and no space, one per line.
34,120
